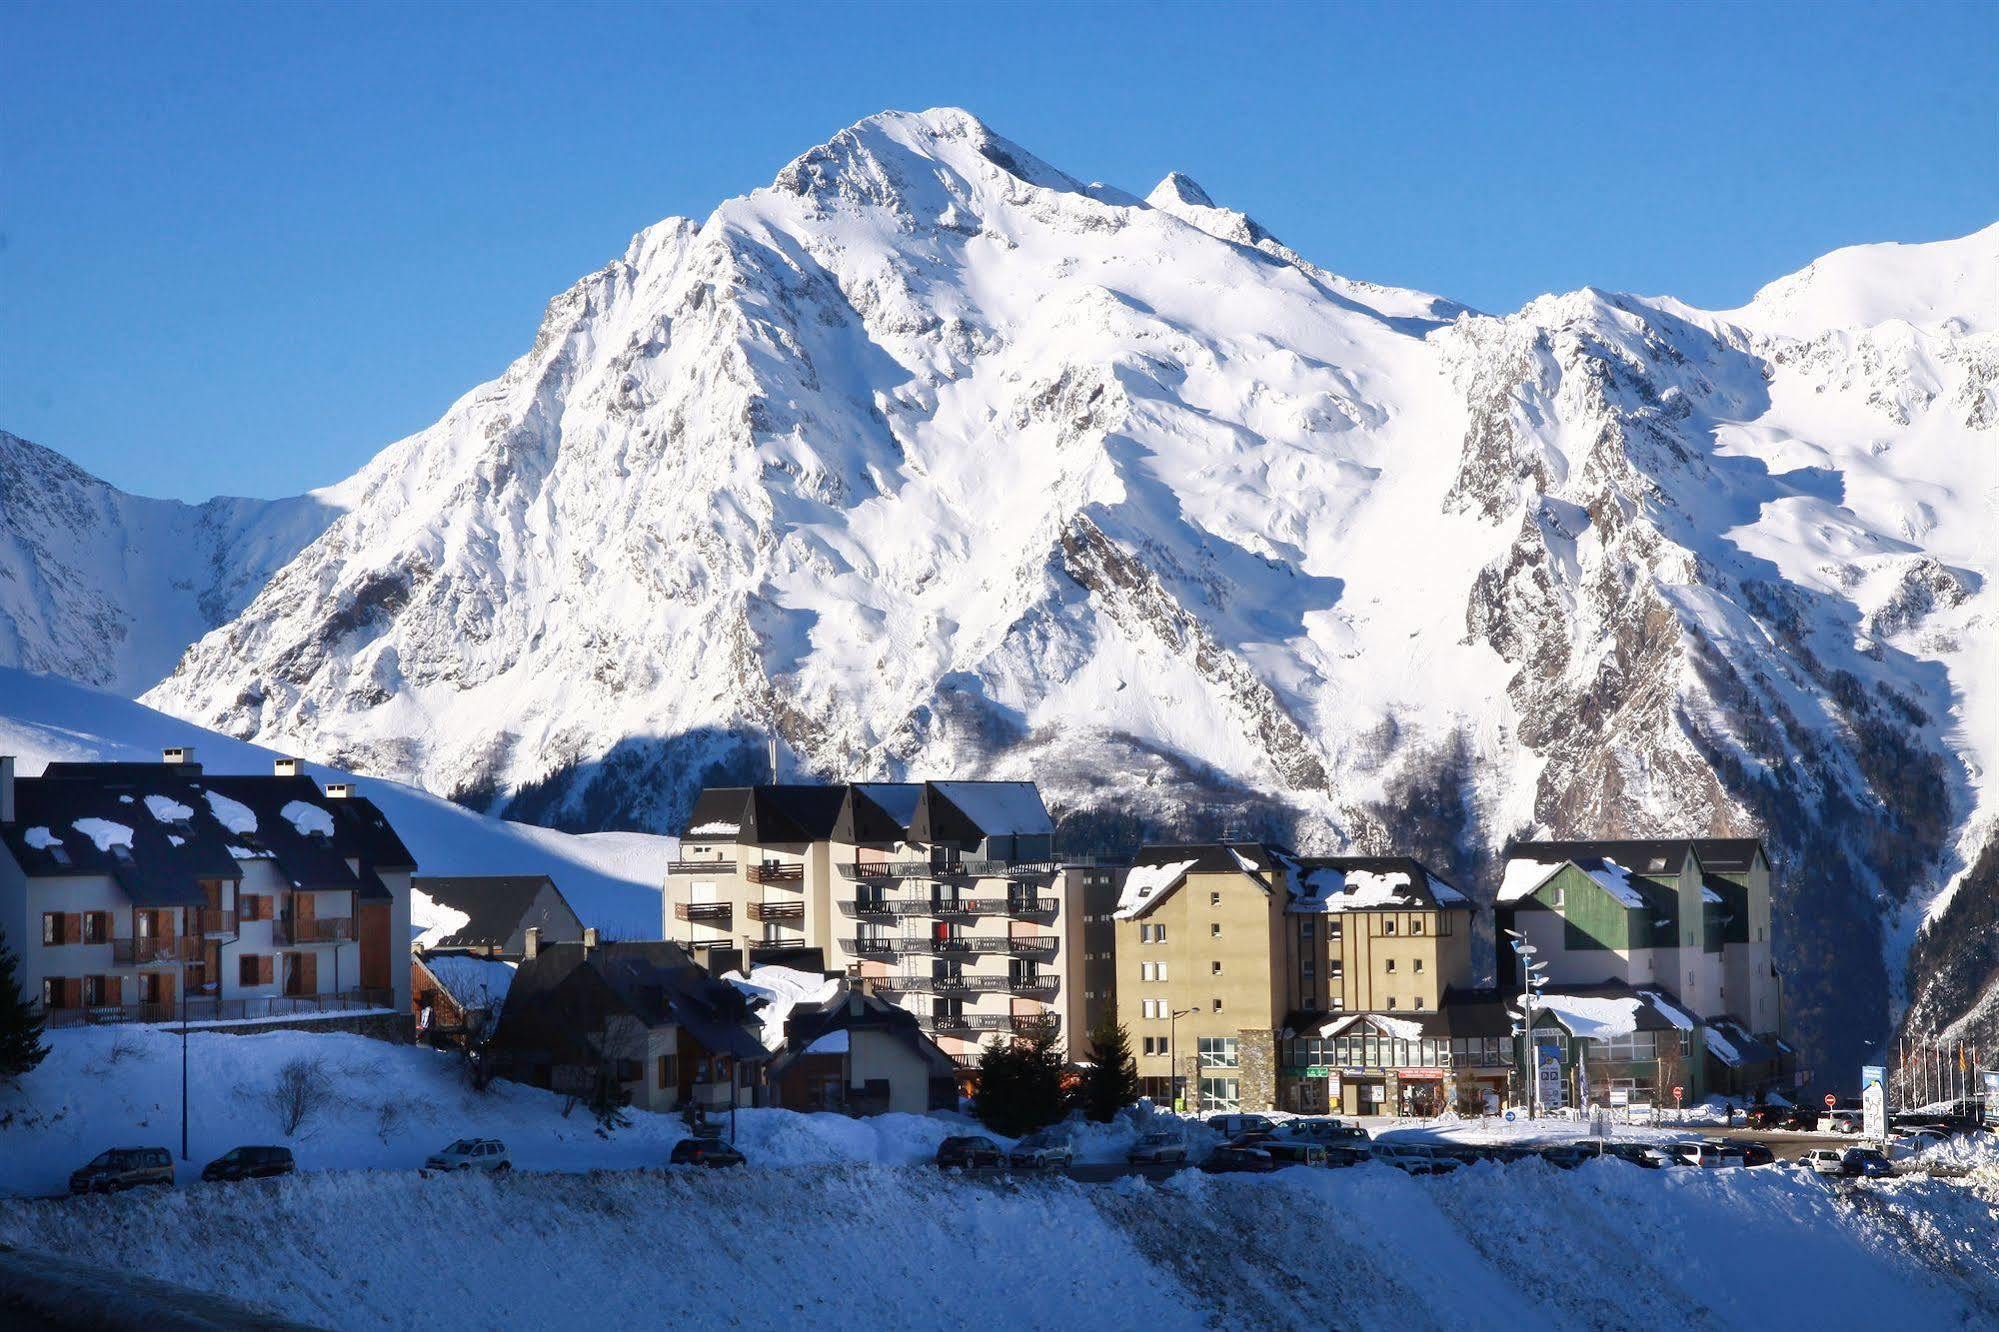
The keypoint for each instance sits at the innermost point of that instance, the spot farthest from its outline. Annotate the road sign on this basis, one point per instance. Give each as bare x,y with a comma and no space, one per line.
1619,1098
1874,1102
1831,1101
1509,1116
1679,1095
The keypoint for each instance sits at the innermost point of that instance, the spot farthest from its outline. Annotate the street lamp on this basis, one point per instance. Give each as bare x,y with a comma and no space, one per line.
1530,984
1173,1053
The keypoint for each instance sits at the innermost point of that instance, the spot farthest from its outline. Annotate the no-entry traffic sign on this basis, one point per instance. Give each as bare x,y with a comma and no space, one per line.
1831,1100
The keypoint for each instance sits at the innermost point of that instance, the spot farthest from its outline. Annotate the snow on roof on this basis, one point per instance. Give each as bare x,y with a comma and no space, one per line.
105,833
177,841
1402,1029
309,819
716,828
1146,883
1669,1010
1614,879
833,1042
1591,1017
781,989
1243,862
1722,1048
1710,895
41,839
1000,809
472,982
431,922
231,814
1523,876
168,810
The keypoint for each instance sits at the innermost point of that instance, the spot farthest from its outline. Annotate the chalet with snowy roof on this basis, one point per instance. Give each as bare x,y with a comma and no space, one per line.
944,896
145,891
1224,949
1611,1043
641,1015
1690,917
491,913
839,1049
458,995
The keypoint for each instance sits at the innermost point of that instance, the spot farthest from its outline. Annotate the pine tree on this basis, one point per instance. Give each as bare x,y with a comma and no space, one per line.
1020,1081
21,1045
1111,1082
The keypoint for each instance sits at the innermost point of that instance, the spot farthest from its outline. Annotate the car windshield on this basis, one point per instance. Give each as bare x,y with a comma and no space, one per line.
105,1158
235,1154
464,1146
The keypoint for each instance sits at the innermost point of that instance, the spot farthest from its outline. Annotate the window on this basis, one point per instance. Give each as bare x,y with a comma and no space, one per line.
97,927
1152,971
666,1072
1214,968
1152,1008
1418,964
1215,929
1561,897
1417,1003
1214,899
1335,1004
630,1070
1305,930
253,969
1390,1005
1310,968
1388,925
1306,1001
1218,1006
1389,966
1218,1052
51,994
93,991
1416,925
1221,1094
52,928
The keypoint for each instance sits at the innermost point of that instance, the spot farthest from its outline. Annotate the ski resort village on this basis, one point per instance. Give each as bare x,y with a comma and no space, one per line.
637,692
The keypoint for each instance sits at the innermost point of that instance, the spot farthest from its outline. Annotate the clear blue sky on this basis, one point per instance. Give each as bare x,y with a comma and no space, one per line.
243,248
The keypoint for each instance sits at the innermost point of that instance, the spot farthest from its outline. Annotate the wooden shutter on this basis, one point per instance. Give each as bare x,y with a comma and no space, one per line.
305,907
114,990
72,927
308,972
266,969
72,990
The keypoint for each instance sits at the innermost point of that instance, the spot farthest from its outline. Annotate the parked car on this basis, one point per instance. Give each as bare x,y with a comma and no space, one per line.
710,1152
1768,1116
1755,1154
1840,1121
1347,1154
1325,1130
1566,1155
1290,1152
1231,1159
1159,1147
472,1154
249,1163
1235,1125
1867,1163
123,1168
1046,1150
1706,1155
1800,1119
1825,1160
1415,1160
1640,1154
970,1153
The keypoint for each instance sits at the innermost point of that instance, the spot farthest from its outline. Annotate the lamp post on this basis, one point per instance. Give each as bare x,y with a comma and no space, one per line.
1530,1056
1173,1052
183,1064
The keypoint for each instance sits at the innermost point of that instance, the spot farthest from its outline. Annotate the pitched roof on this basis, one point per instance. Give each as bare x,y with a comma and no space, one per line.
565,991
1659,855
473,982
975,811
1157,871
866,812
495,906
159,829
855,1011
1331,884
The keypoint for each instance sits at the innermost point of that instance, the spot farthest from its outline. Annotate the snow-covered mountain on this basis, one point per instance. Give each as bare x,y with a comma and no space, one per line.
108,588
930,458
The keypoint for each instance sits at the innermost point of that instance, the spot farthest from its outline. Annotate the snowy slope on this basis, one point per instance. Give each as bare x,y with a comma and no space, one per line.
109,588
933,459
612,880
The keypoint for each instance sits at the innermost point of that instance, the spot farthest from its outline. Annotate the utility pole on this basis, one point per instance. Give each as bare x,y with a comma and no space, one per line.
183,1065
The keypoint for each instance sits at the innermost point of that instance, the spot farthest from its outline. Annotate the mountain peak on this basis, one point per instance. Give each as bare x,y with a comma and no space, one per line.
1181,189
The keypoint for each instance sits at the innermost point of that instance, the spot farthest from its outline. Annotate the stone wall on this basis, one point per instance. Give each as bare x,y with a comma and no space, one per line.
1256,1051
382,1026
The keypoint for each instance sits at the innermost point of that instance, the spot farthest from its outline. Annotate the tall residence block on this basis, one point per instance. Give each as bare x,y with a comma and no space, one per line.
942,896
1230,955
140,892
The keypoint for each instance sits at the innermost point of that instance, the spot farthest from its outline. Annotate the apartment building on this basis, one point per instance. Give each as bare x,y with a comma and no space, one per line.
1690,917
142,891
1090,889
1226,952
944,897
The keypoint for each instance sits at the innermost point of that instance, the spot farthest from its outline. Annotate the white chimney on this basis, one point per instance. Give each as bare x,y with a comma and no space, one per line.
284,767
339,790
531,948
177,754
6,788
589,939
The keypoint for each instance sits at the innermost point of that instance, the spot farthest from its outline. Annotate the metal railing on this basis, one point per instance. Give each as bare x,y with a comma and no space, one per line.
1035,947
942,985
702,911
884,909
951,869
777,911
312,930
146,952
205,1009
967,1022
1031,906
774,871
700,867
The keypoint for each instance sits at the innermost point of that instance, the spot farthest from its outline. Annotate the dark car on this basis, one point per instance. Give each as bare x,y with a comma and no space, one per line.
249,1163
1346,1154
1800,1119
971,1153
1634,1153
1566,1156
1289,1153
1867,1163
1768,1116
711,1152
1755,1154
123,1168
1235,1159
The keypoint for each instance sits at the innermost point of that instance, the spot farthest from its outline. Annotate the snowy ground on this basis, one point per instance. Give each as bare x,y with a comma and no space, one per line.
1603,1246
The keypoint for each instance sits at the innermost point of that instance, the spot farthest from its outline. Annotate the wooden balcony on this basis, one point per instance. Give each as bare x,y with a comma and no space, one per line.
707,913
773,871
700,867
157,950
211,922
783,913
296,931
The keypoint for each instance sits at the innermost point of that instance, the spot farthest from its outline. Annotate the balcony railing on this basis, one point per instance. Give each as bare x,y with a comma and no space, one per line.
700,867
148,952
967,1022
774,871
312,930
778,912
702,911
957,869
201,1009
1031,906
1038,987
941,908
211,921
884,910
1038,946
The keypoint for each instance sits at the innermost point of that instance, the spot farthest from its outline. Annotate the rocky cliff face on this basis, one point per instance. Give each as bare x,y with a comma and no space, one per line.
930,458
108,588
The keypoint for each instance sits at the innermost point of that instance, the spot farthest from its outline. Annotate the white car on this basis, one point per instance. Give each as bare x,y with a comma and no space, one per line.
472,1154
1706,1155
1825,1160
1840,1121
1046,1150
1160,1147
1234,1126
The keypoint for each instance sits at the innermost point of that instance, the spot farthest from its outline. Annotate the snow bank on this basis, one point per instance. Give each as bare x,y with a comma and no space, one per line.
41,838
472,982
1366,1247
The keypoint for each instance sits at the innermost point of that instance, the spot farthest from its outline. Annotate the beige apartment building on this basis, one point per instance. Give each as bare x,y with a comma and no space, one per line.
944,897
1227,952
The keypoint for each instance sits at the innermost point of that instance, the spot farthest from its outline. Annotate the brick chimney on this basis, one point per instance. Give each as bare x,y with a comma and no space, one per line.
284,766
339,790
531,946
178,754
6,788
